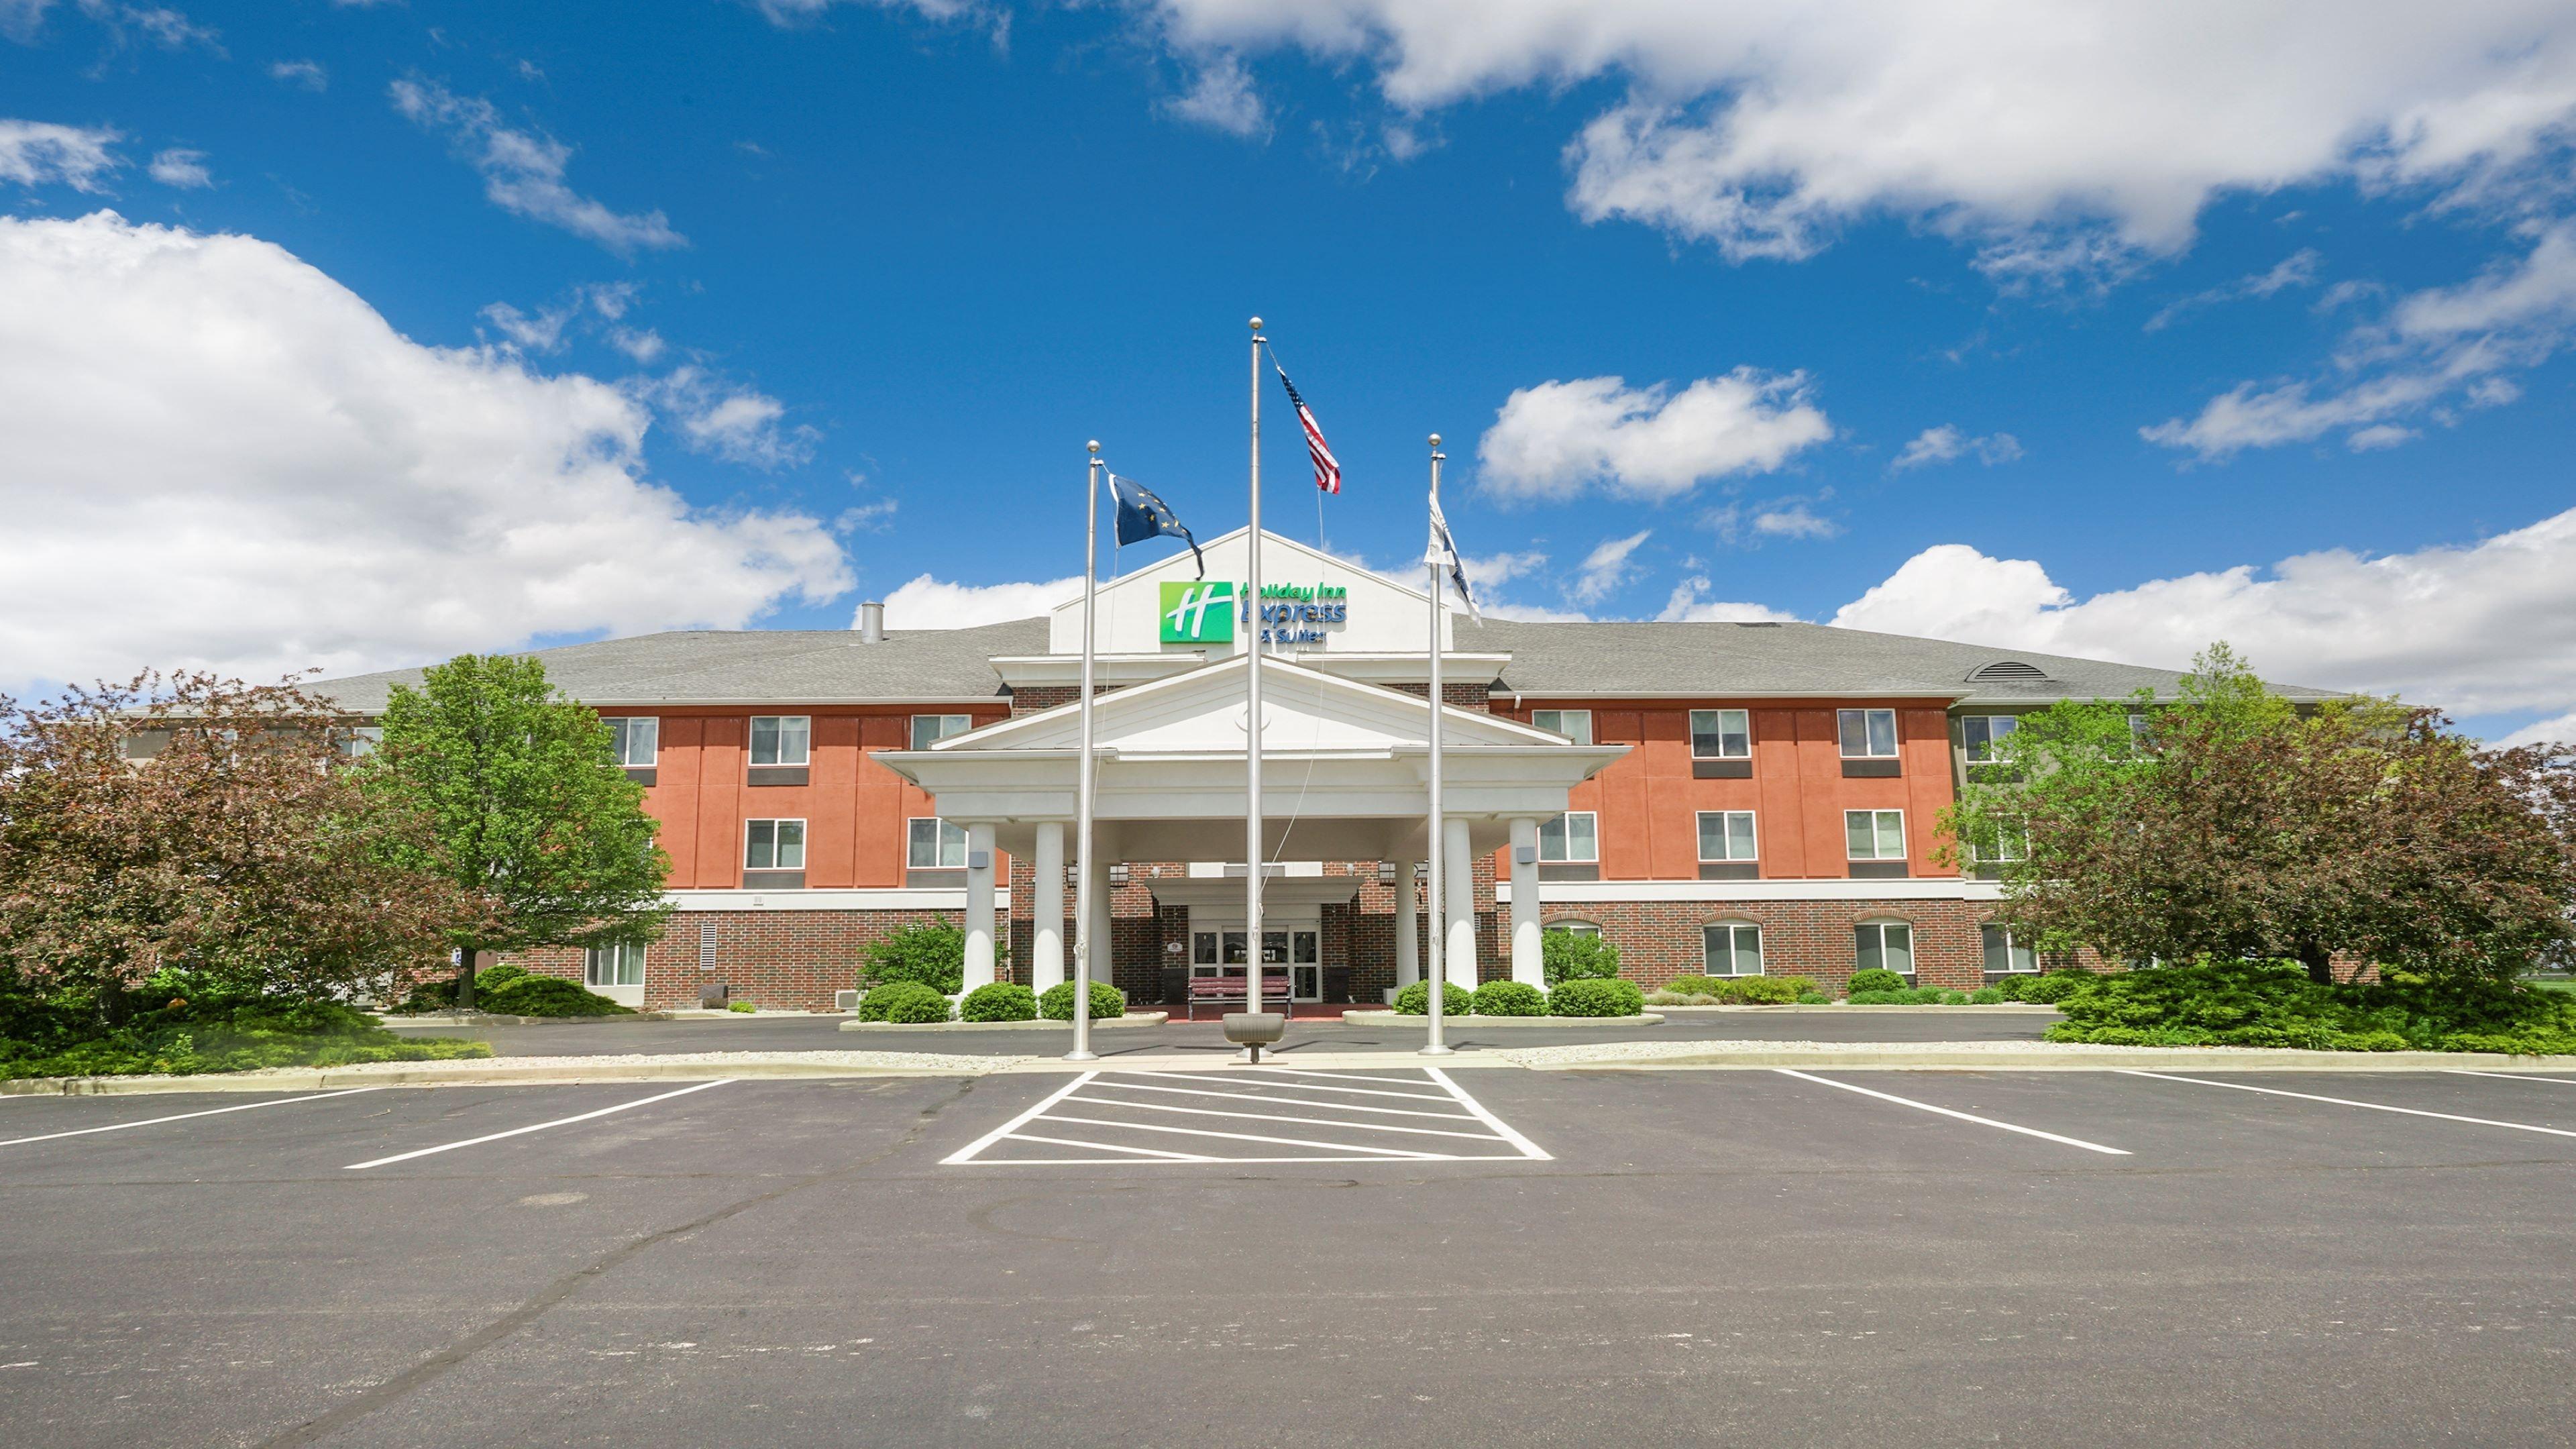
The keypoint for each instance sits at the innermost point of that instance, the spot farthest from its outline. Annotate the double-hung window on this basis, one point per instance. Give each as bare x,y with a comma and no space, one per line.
930,729
773,845
2004,955
1721,734
1732,948
1875,834
1574,724
618,965
1885,946
1573,838
1867,734
1982,736
933,844
781,740
1726,845
637,740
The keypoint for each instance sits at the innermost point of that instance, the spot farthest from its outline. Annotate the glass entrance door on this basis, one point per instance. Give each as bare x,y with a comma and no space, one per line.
1220,948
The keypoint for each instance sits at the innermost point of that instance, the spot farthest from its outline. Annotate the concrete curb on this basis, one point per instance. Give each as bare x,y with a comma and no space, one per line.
1111,1023
1397,1018
2003,1057
505,1072
2018,1008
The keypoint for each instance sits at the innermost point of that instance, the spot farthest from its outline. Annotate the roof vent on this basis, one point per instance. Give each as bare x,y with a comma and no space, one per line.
2008,671
872,623
1757,623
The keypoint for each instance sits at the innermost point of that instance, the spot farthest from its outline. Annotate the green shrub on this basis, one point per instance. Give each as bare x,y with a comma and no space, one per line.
1908,996
908,1002
1415,1000
1814,998
1875,979
1107,1002
268,1032
1595,997
498,976
1742,990
1504,998
932,955
999,1001
744,1006
1988,996
1572,956
2046,989
2274,1004
528,995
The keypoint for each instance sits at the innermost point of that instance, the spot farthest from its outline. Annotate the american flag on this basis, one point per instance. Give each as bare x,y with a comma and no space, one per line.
1328,469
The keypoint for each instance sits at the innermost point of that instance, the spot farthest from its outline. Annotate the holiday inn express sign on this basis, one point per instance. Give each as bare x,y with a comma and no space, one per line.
1199,612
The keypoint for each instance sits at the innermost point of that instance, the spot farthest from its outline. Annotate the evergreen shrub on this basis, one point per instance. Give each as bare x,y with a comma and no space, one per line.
532,995
1505,998
1596,997
999,1001
1107,1002
908,1002
1415,1000
1875,979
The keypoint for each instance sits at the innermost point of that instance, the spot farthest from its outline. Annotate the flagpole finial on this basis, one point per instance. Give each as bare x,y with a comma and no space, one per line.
1256,324
1094,445
1435,440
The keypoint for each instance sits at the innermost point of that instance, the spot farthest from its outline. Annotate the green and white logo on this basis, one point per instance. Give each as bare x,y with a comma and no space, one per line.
1198,613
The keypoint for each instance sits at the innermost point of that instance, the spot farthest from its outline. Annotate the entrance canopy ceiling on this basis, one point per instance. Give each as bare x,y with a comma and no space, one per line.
1345,769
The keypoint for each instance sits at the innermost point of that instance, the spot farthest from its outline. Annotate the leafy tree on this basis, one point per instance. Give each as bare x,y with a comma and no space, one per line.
530,814
2231,824
207,829
1575,956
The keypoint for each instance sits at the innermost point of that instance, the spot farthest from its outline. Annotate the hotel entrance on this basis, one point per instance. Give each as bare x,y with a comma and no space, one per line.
1290,938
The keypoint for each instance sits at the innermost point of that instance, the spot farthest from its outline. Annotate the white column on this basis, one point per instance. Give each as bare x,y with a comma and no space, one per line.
1408,927
979,906
1528,967
1102,954
1458,867
1046,906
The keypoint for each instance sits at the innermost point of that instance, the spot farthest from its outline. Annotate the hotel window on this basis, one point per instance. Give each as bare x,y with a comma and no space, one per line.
359,741
637,741
773,845
1885,946
1868,734
1725,835
1721,734
1875,834
1571,838
934,844
619,965
930,729
2005,955
1575,928
1984,734
780,739
1574,724
1732,948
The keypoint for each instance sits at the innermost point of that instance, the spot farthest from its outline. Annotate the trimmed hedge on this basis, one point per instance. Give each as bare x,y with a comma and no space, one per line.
233,1039
1106,1002
999,1001
2046,989
1909,996
909,1002
1875,979
1742,990
528,995
1596,998
2274,1004
1415,1000
1504,998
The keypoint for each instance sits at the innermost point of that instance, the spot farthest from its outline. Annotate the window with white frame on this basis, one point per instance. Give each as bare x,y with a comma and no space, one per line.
636,739
1571,838
360,741
781,739
1982,736
1721,734
1875,834
2010,842
1575,928
2004,954
618,965
933,844
1867,734
1574,724
930,729
1732,948
1884,946
773,845
1725,835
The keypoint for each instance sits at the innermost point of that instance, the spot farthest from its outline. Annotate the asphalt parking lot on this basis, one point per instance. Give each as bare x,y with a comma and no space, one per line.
1683,1258
783,1032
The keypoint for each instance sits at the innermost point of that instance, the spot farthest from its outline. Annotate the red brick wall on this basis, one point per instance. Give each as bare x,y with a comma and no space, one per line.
1659,940
781,960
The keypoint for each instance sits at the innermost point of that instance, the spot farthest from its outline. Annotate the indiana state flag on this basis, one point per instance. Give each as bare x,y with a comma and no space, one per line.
1141,516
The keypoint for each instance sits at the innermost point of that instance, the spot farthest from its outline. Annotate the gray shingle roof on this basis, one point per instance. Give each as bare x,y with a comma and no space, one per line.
759,666
831,666
1694,659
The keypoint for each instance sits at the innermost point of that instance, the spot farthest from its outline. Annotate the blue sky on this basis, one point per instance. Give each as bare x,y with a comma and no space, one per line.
711,313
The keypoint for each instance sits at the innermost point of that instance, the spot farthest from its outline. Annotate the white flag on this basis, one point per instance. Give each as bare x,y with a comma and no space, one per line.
1444,552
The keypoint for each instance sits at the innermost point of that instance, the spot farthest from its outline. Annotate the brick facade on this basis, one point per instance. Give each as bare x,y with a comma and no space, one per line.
1659,940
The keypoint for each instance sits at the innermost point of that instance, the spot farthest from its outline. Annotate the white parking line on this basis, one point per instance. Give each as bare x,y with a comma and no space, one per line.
184,1116
1962,1116
1275,1117
2348,1102
966,1154
1314,1086
1289,1101
1118,1099
1527,1147
539,1127
2513,1076
1247,1137
1336,1076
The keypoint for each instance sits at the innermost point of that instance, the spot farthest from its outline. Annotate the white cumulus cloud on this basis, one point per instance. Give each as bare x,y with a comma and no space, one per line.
34,153
1607,567
1222,98
1557,439
180,167
523,171
1687,606
928,603
219,456
1946,444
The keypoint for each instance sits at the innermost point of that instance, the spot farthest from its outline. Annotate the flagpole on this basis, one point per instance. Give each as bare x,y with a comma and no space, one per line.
1253,852
1082,903
1438,977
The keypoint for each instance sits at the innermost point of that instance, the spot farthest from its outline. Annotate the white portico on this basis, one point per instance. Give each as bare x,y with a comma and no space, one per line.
1345,760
